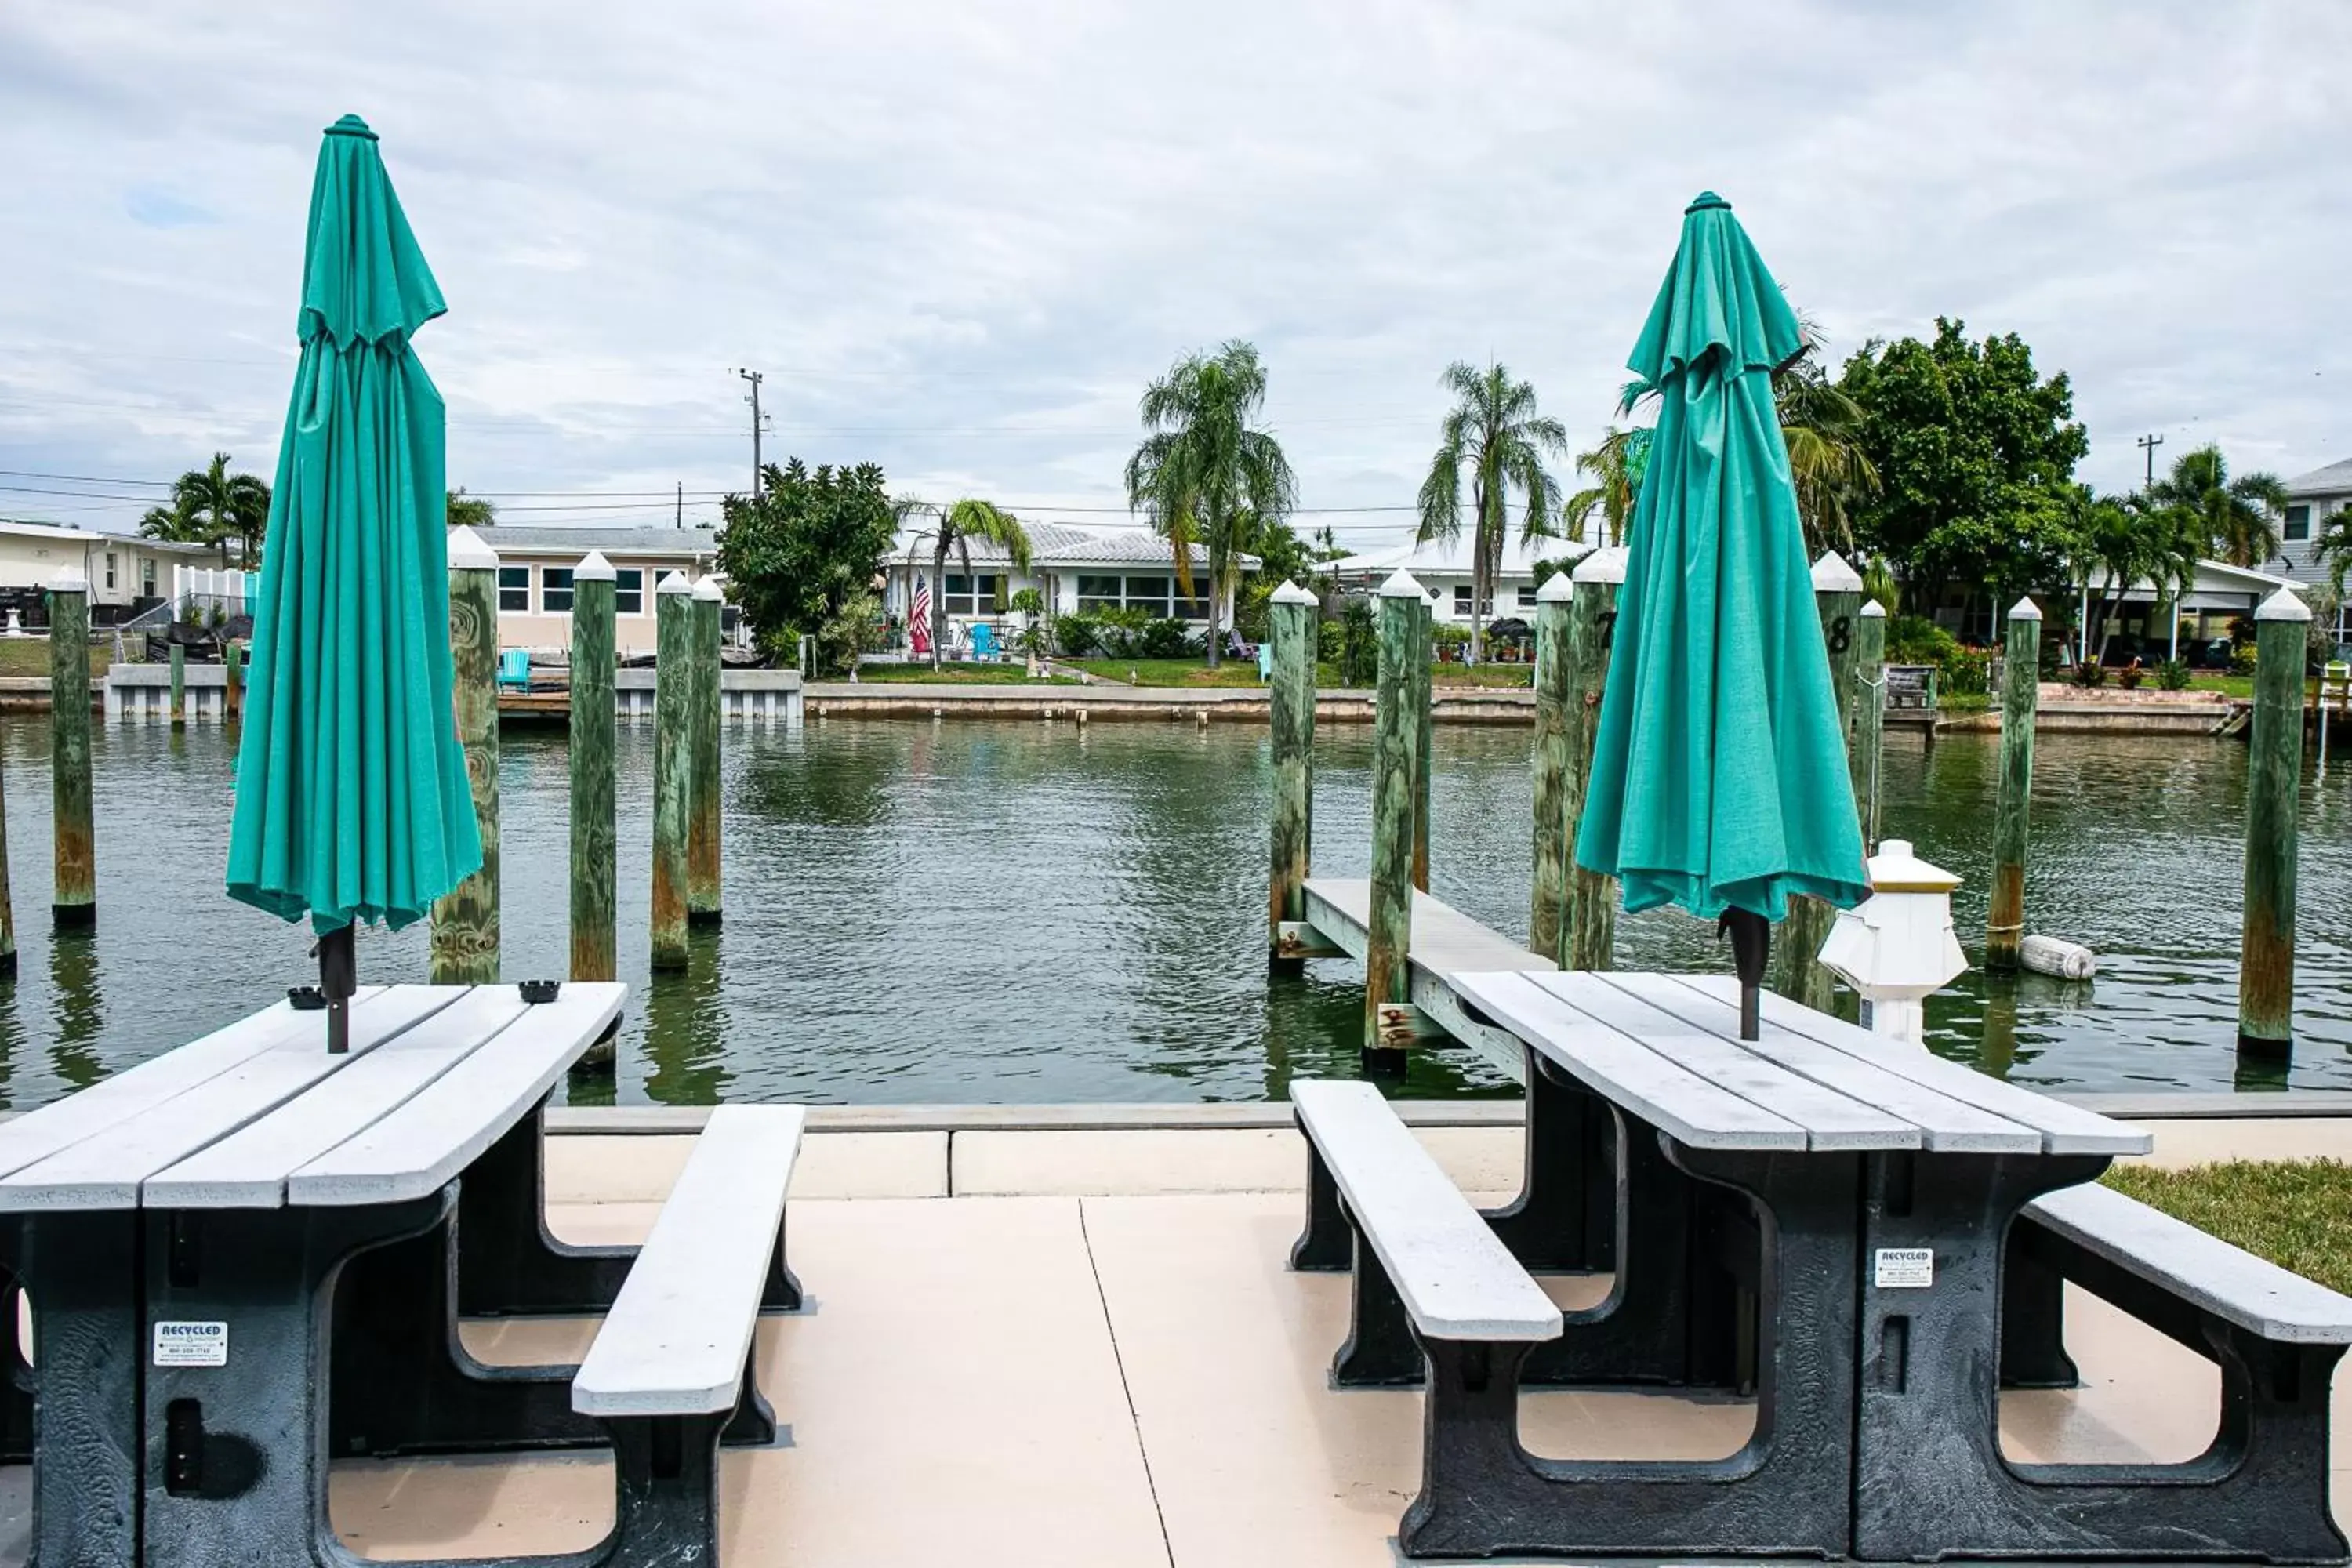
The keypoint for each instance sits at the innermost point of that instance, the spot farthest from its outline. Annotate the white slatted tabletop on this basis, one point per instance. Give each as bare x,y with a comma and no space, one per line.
1667,1047
230,1120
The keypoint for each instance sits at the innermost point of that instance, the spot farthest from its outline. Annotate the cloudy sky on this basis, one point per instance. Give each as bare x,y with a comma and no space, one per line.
959,237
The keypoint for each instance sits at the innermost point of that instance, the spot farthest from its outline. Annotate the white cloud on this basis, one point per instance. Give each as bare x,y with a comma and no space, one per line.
959,238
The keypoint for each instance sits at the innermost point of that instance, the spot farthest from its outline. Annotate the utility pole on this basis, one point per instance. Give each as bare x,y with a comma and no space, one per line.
2149,444
755,378
681,503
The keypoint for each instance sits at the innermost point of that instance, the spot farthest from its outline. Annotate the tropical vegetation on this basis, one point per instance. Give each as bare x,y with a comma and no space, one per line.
954,526
799,558
1206,473
1494,437
213,506
2237,517
471,512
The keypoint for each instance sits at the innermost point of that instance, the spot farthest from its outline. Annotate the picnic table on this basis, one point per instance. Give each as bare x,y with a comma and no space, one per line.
1869,1239
182,1228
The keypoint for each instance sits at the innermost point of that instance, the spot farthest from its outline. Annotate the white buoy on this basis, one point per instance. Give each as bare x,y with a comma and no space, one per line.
2055,956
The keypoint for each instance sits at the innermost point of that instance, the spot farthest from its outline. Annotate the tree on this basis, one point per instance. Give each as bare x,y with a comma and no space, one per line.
1975,457
1205,473
1493,431
1821,425
213,506
471,512
800,556
1616,465
2129,542
954,527
2333,545
2234,516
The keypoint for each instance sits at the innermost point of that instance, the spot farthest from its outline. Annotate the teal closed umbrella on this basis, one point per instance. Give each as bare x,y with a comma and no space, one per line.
1719,779
352,799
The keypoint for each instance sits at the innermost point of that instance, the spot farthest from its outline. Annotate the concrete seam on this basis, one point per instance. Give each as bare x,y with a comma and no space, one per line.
1150,1482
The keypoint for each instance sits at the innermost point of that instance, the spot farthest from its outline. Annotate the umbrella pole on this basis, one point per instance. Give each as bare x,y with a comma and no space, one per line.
1751,945
338,978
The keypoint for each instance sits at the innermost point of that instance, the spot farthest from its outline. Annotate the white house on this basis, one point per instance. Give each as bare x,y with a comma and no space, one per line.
126,573
1074,568
2218,594
1445,573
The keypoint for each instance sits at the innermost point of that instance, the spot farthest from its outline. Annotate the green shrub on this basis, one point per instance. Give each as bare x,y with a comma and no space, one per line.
1960,669
1250,612
1359,644
2242,661
1330,642
1117,632
1078,634
1164,638
2091,673
2172,675
1449,638
857,628
2130,675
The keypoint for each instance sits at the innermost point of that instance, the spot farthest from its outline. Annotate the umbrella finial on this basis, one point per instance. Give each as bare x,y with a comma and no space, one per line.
595,568
350,125
1401,585
470,551
1707,201
2286,605
1832,576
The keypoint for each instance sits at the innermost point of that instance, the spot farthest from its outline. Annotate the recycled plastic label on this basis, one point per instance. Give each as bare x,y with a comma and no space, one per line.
1905,1267
191,1344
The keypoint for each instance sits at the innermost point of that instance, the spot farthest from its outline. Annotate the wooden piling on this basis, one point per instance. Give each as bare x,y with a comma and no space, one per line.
1396,740
465,934
1799,974
1425,753
2020,699
179,687
1591,938
1291,702
233,678
1869,729
73,899
702,881
1548,899
2274,776
594,940
673,765
7,899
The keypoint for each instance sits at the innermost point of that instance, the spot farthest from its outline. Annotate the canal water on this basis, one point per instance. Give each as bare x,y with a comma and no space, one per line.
1008,913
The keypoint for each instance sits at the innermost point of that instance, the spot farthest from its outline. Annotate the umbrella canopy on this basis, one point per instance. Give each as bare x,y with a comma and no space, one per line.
351,800
1719,779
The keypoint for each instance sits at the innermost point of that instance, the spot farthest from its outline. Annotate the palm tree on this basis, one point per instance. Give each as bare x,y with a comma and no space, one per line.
954,527
1616,464
471,512
173,526
2129,542
2333,545
216,506
1495,431
1204,472
2236,518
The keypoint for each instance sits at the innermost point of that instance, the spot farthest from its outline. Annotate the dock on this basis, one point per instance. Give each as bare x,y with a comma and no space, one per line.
1445,942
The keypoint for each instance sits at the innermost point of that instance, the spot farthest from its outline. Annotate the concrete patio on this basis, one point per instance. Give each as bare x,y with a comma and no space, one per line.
1092,1355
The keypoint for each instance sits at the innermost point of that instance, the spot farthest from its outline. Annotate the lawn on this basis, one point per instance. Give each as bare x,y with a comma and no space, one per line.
30,656
1244,672
2297,1214
1012,674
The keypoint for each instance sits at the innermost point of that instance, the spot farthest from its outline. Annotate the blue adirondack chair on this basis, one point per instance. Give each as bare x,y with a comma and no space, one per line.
514,670
1265,663
984,642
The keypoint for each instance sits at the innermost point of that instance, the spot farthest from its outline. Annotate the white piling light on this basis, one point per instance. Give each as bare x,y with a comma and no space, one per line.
70,580
1897,946
707,590
469,552
1604,565
1292,594
1400,585
1557,589
595,568
674,583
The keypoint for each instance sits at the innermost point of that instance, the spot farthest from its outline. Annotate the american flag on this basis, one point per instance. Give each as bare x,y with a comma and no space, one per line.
919,625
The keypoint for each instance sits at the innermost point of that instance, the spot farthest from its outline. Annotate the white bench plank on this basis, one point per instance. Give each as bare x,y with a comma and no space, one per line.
1946,1125
2064,1128
249,1169
1454,1277
39,1134
2197,1265
1831,1120
104,1171
1624,1071
679,1333
421,1146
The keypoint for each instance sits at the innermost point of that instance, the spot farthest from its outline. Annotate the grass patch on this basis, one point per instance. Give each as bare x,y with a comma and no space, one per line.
1170,671
30,656
954,674
2297,1214
1509,676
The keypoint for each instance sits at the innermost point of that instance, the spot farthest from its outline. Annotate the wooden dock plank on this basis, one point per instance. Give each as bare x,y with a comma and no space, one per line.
1445,940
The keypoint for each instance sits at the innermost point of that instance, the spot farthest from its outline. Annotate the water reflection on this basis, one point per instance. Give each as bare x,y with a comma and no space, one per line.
75,999
686,1039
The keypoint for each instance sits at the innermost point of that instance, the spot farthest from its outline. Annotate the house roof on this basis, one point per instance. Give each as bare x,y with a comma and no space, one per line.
1066,544
615,543
1434,559
27,529
2212,577
2334,480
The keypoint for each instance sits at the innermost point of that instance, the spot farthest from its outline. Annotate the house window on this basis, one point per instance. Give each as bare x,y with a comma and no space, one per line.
976,596
1195,608
1148,594
110,571
628,590
1462,602
1527,596
2298,524
1097,593
147,579
555,589
514,588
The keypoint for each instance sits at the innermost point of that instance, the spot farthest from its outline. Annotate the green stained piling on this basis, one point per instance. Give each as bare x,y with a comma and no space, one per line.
1590,939
2273,774
595,942
1291,620
1396,743
1554,849
233,682
673,765
179,687
702,884
1800,976
1424,749
2021,697
73,900
464,939
1869,729
7,899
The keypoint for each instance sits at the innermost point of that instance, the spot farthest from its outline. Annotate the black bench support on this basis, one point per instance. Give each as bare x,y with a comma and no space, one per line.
1564,1219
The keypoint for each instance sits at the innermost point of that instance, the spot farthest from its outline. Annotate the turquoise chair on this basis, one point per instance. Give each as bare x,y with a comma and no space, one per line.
984,642
1265,663
514,670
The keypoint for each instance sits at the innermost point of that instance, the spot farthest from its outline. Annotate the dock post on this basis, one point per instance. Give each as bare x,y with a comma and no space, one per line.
1424,702
73,900
1291,703
179,687
1548,899
2274,776
233,682
1591,940
464,935
673,764
1837,591
595,942
1869,717
7,899
1396,740
702,904
2020,699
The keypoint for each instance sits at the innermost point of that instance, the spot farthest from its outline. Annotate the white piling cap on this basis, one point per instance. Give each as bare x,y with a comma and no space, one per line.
1557,589
469,552
1896,869
1400,585
1832,576
1292,594
70,580
1873,611
674,583
1603,565
2025,609
593,568
2287,604
707,590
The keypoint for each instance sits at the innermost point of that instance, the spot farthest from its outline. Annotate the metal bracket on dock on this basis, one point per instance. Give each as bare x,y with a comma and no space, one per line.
1297,939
